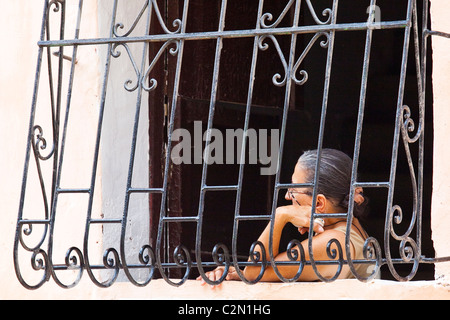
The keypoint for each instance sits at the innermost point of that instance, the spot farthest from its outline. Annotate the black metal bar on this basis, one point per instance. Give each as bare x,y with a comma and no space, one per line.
228,34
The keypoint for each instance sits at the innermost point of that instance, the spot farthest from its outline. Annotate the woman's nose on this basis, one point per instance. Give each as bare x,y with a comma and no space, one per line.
287,196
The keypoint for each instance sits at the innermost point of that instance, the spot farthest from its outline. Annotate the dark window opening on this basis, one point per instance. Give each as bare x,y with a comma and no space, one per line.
303,118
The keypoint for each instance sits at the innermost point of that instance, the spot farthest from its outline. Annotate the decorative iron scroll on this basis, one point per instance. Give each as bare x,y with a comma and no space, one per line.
45,147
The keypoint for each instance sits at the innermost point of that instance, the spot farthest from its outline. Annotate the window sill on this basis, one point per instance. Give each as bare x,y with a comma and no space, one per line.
236,290
339,289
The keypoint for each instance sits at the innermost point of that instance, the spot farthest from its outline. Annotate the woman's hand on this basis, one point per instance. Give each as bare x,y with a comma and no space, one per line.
217,273
299,216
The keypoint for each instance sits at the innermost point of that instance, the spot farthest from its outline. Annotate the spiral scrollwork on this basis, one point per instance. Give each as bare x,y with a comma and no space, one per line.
183,259
304,73
128,85
39,263
74,258
371,251
326,13
120,25
257,257
40,143
73,261
146,258
264,46
177,23
57,4
173,51
221,255
295,252
269,17
111,263
334,252
27,230
408,126
408,248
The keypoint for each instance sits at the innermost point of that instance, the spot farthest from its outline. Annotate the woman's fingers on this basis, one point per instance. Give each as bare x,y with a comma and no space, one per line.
318,227
213,275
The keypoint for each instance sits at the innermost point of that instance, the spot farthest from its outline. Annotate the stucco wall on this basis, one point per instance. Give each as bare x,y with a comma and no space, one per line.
18,69
441,170
16,65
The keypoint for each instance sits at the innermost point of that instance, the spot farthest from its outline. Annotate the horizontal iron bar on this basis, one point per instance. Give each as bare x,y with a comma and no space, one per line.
249,263
106,221
33,222
179,219
229,33
435,260
282,186
267,263
220,188
73,190
257,217
330,215
145,190
372,184
437,33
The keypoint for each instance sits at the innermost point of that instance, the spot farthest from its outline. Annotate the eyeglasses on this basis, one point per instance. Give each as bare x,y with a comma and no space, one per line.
291,192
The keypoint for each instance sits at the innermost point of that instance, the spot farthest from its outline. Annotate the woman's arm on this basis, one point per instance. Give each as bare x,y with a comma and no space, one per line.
300,217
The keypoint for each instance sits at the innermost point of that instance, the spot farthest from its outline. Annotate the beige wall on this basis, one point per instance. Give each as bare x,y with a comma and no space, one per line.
22,19
441,184
18,67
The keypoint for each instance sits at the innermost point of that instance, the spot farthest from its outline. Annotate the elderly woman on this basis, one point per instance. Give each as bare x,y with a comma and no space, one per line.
332,197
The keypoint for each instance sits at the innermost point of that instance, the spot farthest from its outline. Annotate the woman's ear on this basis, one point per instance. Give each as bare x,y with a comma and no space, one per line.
321,203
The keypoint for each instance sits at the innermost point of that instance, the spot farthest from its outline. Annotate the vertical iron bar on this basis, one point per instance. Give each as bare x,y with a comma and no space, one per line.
287,98
162,219
356,152
58,104
132,157
27,162
96,156
398,123
244,146
420,59
212,105
320,139
64,135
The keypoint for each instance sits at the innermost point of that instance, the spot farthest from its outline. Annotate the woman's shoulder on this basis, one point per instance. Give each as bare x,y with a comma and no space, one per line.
330,234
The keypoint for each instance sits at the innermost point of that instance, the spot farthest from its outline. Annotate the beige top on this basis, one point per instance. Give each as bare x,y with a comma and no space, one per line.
357,240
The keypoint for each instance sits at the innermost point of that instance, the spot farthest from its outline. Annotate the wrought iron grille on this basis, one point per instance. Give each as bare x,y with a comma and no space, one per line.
172,41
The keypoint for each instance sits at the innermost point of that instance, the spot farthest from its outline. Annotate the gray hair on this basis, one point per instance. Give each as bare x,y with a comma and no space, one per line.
335,173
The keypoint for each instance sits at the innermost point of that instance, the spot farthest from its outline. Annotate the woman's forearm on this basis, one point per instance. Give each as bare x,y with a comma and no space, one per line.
279,224
252,272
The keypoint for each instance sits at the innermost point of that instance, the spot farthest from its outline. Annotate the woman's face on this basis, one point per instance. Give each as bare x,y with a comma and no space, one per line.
299,196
